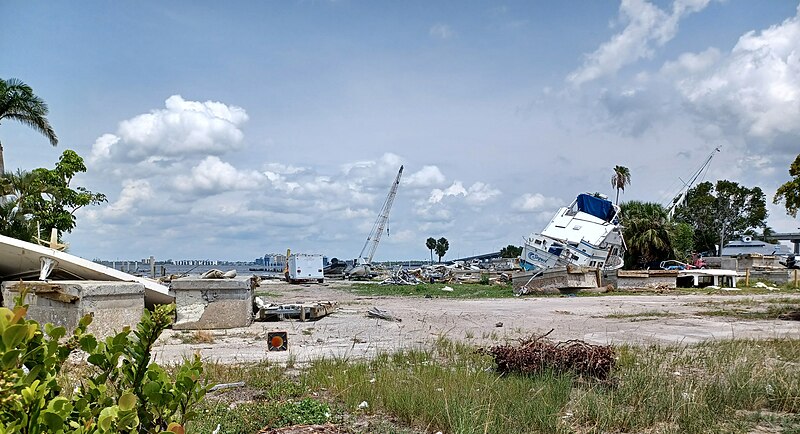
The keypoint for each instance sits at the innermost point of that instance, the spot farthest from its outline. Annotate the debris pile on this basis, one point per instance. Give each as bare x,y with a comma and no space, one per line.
534,355
401,277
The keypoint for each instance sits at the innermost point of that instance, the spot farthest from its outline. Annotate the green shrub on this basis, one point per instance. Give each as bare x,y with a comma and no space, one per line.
123,393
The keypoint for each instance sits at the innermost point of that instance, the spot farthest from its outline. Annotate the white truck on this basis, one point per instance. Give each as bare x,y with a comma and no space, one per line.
304,268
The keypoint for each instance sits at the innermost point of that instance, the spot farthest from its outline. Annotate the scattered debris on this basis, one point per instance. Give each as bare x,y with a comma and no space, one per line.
536,354
218,274
266,311
363,405
763,285
499,324
327,428
447,289
790,316
401,277
374,312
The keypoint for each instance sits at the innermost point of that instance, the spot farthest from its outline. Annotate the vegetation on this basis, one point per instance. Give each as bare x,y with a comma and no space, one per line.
725,387
651,237
442,245
122,392
510,251
719,211
789,193
18,103
430,243
620,179
43,196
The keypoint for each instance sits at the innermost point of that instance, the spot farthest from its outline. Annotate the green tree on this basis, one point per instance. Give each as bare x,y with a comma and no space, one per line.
18,103
789,193
621,178
646,232
15,220
681,236
44,196
441,247
430,243
510,251
719,211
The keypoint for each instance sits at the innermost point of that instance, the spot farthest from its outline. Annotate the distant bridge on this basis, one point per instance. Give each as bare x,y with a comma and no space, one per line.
794,237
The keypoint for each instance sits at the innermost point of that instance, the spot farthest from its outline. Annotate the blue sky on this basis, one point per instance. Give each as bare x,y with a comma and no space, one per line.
227,130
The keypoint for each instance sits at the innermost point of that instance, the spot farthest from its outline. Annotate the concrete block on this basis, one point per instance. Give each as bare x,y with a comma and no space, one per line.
114,305
203,304
721,262
651,279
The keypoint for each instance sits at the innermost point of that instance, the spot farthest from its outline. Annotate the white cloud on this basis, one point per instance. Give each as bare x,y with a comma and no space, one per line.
101,149
647,26
477,193
756,88
213,175
536,202
428,176
442,31
691,63
183,128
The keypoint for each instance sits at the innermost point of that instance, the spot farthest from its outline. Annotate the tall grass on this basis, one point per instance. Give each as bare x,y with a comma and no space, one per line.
728,386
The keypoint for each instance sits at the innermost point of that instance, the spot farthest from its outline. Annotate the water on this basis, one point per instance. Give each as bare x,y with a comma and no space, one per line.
193,270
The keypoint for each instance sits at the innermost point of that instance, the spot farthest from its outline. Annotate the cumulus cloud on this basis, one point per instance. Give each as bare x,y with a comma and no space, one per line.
428,176
441,31
213,175
756,88
647,27
182,128
535,202
476,194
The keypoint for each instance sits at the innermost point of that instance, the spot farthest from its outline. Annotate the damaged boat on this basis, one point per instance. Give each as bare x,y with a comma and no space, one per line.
586,234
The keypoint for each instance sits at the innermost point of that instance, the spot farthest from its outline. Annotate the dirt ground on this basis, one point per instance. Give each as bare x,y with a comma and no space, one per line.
349,333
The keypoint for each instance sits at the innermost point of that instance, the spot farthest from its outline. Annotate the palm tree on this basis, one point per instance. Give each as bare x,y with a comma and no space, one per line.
647,232
430,243
621,178
18,103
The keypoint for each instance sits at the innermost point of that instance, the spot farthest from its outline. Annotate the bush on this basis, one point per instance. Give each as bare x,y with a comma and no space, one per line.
123,393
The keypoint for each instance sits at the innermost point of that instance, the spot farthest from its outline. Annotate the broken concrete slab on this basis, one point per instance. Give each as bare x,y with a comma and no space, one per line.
306,311
555,280
113,305
26,261
646,279
203,304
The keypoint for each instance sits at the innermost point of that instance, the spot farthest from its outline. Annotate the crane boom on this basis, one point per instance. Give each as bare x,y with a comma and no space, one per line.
679,199
374,236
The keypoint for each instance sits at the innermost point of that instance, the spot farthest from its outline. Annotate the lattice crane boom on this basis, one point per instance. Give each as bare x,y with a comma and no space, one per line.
378,227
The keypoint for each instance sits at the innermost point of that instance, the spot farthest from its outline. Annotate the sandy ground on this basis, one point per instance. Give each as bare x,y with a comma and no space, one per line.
350,333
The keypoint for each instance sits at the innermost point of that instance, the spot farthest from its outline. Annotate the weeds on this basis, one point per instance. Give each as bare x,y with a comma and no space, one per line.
729,386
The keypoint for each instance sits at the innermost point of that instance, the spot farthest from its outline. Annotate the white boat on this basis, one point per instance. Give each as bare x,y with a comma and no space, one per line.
587,233
28,261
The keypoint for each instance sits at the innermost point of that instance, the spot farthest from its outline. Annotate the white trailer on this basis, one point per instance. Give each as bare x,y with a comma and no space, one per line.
304,268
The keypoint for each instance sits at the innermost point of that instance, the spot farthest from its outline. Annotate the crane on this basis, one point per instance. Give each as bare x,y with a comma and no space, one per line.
374,236
681,196
361,268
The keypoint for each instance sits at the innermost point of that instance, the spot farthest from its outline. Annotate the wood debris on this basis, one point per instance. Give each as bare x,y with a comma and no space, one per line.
536,354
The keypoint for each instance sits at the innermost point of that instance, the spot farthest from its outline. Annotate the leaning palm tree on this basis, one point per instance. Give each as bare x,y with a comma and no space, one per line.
621,178
18,103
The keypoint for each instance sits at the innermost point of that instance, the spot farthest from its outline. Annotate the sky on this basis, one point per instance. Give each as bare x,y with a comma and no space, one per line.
227,130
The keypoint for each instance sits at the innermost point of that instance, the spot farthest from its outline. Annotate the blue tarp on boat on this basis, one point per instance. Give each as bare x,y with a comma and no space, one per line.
595,206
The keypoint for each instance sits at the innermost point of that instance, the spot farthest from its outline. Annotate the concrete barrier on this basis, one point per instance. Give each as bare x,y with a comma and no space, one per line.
113,305
203,304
